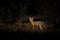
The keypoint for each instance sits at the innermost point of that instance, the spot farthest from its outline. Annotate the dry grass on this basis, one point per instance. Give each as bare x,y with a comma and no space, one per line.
17,26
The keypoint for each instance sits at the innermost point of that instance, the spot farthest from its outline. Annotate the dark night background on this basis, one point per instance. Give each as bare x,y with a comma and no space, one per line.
11,11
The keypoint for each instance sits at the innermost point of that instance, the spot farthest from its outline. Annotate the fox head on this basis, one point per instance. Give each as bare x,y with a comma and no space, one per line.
31,18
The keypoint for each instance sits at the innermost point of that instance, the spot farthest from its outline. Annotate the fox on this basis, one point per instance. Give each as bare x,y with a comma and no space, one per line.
36,23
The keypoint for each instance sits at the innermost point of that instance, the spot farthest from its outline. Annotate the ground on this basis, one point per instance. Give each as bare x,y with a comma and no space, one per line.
27,27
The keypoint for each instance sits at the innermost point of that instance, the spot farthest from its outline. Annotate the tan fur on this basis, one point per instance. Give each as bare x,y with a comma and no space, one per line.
37,23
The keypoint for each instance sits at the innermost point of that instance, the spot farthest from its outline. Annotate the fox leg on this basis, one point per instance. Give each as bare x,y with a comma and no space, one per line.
33,27
40,26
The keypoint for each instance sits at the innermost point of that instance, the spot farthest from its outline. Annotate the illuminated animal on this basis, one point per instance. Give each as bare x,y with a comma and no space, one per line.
36,23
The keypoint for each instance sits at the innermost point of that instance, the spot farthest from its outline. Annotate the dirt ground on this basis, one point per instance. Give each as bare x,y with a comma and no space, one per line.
27,27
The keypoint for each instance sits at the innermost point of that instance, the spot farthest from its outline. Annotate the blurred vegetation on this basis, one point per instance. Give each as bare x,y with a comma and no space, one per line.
12,11
27,27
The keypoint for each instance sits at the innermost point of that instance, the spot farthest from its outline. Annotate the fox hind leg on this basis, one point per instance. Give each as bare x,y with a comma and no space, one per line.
40,26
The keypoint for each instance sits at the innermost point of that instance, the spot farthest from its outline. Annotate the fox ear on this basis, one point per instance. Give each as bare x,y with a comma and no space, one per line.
32,18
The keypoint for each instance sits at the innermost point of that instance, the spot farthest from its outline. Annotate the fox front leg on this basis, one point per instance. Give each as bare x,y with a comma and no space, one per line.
33,27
